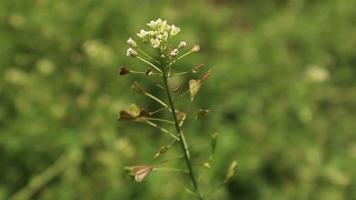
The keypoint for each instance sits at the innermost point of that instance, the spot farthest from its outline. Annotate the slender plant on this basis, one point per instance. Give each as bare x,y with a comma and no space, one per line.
162,64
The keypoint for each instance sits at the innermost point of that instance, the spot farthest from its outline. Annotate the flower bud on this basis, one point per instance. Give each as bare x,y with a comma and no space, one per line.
195,48
131,52
182,44
132,43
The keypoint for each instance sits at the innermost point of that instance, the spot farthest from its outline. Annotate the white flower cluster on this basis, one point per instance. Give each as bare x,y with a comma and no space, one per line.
159,32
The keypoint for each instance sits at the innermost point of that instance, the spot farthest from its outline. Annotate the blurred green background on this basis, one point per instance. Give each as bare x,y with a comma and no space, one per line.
282,91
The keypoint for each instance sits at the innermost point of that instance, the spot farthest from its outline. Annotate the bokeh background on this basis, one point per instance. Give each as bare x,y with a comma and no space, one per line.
282,91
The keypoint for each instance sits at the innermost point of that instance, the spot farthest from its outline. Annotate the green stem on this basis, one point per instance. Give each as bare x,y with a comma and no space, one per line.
182,140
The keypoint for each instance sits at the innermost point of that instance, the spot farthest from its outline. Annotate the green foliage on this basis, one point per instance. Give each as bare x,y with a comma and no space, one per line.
282,96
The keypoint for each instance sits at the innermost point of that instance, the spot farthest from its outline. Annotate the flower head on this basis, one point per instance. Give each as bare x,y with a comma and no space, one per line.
158,33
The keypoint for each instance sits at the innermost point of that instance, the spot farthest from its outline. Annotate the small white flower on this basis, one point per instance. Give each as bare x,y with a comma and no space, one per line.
159,22
132,43
142,34
174,52
131,52
165,36
155,42
174,30
182,44
153,24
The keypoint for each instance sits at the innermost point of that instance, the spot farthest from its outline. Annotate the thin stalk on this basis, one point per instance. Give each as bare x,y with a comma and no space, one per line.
148,56
182,140
170,169
156,99
146,61
160,120
161,129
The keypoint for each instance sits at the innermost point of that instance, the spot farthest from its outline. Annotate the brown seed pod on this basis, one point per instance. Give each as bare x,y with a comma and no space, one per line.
124,71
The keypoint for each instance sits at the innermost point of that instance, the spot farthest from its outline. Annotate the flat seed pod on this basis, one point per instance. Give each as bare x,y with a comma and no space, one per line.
231,171
141,172
197,68
194,86
202,113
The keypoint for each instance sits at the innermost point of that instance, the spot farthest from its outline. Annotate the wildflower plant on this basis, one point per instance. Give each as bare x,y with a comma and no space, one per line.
163,64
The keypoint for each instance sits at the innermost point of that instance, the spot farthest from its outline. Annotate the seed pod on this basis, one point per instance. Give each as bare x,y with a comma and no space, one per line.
194,86
124,71
143,113
202,113
197,68
148,72
231,172
140,172
162,150
205,76
180,117
213,144
124,115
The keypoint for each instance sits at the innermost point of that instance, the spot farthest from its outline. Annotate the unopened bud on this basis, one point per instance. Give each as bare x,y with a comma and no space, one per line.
195,48
182,44
132,53
132,43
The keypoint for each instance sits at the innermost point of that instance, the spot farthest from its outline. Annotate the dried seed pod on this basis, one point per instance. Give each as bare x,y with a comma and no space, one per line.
197,68
205,76
162,150
124,71
140,172
143,113
148,72
180,117
202,113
